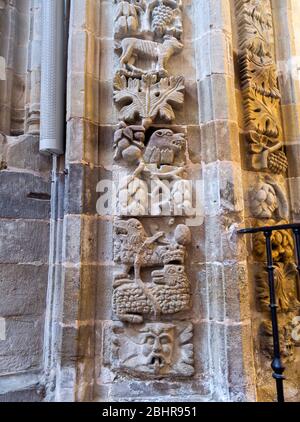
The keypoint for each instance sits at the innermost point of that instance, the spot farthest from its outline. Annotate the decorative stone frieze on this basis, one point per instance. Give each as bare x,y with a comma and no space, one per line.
286,289
153,282
259,85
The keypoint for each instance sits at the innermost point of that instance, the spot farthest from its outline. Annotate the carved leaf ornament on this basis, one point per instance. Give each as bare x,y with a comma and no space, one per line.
148,98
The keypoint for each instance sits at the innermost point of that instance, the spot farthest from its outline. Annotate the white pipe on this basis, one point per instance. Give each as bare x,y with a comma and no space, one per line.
52,78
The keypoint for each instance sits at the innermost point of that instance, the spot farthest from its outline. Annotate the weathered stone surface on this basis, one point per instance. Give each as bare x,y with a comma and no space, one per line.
24,241
81,182
24,195
23,153
28,396
23,289
228,360
22,349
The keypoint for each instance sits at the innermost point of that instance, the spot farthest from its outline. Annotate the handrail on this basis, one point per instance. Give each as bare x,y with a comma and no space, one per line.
277,365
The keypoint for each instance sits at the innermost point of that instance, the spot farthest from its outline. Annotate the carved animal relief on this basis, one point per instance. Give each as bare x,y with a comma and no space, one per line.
152,282
157,185
166,290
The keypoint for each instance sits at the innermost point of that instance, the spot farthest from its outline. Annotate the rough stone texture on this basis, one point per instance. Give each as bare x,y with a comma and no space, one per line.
56,252
25,193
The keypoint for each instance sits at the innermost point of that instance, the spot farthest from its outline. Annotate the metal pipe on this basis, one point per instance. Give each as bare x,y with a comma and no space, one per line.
52,78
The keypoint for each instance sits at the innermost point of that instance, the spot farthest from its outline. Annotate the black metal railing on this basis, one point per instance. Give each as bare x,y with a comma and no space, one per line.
277,365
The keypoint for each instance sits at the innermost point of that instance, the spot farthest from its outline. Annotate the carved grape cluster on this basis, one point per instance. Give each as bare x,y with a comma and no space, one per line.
277,162
162,17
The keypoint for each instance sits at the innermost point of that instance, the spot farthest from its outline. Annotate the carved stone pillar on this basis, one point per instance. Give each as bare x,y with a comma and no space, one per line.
286,23
226,275
268,131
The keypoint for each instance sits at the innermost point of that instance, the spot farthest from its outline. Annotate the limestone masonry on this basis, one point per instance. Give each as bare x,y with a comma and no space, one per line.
122,274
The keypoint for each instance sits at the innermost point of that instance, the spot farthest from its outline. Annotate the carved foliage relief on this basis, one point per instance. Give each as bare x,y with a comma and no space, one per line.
268,199
260,86
286,288
151,285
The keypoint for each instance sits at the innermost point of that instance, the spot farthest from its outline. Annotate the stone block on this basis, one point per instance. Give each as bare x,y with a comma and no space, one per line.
23,290
213,54
24,195
24,241
81,185
220,141
22,349
22,396
216,100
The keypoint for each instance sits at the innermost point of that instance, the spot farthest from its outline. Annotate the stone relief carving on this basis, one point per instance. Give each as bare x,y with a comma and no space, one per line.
268,200
148,98
168,293
129,143
282,244
154,350
260,86
149,19
285,285
134,49
157,184
153,282
286,289
287,344
168,290
127,17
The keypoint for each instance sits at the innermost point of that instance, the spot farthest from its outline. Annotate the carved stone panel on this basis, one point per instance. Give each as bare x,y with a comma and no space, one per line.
259,86
166,290
268,200
151,158
154,350
287,291
135,49
156,184
148,19
143,101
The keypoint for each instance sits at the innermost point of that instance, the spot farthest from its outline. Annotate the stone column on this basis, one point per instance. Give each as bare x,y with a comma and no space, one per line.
76,272
13,47
226,277
8,17
33,86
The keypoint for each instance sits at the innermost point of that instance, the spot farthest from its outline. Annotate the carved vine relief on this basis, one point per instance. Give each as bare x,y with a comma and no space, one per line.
286,288
268,201
152,283
260,86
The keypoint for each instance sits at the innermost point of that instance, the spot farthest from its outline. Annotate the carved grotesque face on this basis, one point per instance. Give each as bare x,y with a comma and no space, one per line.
158,345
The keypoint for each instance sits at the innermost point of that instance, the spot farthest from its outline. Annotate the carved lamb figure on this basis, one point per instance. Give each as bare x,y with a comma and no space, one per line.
134,48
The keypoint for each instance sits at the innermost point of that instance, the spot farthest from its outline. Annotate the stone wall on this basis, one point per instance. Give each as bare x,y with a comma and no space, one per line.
220,313
24,219
76,323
